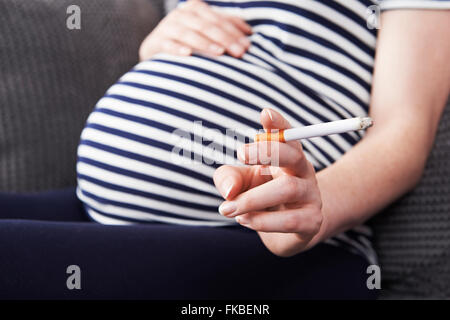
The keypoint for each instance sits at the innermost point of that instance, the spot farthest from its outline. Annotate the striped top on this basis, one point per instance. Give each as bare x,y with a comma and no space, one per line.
152,143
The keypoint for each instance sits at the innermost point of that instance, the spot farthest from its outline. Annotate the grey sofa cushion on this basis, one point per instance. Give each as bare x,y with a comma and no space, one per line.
51,77
412,237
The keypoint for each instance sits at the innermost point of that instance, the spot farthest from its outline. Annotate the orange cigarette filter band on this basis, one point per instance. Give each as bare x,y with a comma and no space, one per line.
270,136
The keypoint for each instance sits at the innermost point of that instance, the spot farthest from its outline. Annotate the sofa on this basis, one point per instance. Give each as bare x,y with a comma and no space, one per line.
51,76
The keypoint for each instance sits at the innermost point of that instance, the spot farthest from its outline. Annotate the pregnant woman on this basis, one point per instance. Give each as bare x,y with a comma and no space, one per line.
213,71
169,150
218,64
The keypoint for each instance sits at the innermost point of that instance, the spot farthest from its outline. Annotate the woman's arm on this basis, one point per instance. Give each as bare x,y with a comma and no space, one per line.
410,86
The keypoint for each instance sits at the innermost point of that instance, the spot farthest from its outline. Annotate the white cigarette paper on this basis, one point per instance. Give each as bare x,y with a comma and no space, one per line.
317,130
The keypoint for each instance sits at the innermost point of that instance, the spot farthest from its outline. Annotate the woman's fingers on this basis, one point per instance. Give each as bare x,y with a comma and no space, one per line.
216,26
305,221
288,156
208,13
271,119
232,180
175,48
282,190
222,31
290,203
192,39
240,24
205,37
234,24
219,39
275,154
197,27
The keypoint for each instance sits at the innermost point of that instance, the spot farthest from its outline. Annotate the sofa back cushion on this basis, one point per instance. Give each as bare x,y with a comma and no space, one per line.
412,236
51,76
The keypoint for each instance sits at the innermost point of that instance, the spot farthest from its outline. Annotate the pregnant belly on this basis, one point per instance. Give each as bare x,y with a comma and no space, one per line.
151,145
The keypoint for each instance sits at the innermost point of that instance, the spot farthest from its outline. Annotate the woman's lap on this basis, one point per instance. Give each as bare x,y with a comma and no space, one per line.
158,261
58,205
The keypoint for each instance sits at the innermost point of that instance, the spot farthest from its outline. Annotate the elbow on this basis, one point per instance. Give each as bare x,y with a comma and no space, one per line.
411,171
408,157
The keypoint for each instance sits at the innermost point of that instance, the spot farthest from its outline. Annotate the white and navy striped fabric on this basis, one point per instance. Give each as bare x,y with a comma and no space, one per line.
310,60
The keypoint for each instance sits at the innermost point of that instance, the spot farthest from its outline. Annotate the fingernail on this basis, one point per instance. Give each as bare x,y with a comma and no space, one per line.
216,49
227,208
271,115
236,49
244,41
227,185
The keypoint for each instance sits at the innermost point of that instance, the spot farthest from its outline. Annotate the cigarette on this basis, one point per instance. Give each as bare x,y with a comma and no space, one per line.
317,130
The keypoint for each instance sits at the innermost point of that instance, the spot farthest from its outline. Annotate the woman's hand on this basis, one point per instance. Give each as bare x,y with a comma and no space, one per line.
195,27
281,201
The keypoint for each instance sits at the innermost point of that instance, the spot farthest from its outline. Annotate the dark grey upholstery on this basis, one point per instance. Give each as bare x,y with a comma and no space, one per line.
413,235
51,77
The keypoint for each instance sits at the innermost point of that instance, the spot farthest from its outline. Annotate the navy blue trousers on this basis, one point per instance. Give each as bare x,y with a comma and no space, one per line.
42,234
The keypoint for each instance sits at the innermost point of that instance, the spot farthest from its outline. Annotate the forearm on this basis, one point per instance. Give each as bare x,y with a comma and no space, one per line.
383,166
